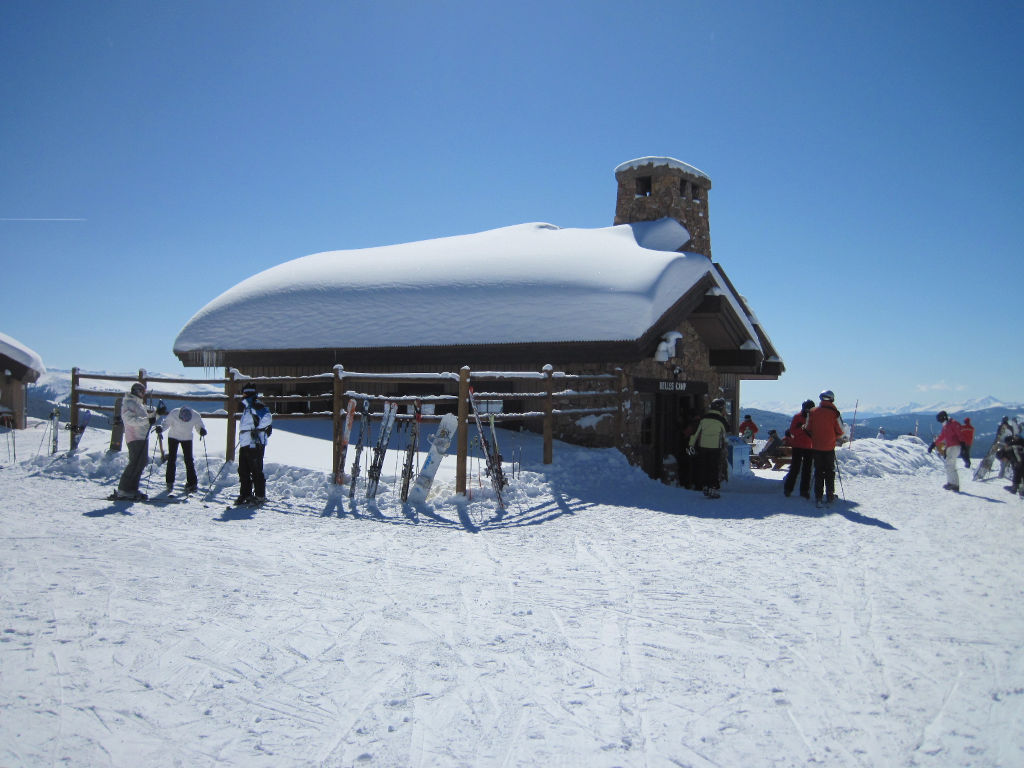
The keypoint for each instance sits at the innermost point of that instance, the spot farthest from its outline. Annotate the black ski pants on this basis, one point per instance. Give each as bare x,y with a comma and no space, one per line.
137,456
800,467
186,455
250,471
824,474
710,467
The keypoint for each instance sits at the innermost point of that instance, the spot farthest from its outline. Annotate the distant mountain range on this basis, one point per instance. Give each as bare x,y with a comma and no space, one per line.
868,411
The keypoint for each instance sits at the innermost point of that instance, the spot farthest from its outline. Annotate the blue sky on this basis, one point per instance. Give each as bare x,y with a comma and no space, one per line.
866,161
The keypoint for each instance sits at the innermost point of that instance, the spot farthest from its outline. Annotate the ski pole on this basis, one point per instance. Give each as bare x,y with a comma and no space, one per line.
839,475
209,476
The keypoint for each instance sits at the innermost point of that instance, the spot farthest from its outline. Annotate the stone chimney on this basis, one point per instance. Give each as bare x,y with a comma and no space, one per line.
655,187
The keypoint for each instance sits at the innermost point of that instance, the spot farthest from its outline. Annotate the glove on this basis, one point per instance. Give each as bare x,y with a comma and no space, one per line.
269,430
152,420
202,432
691,451
159,430
931,447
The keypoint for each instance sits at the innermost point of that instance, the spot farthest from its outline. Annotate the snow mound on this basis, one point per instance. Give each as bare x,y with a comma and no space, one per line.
907,455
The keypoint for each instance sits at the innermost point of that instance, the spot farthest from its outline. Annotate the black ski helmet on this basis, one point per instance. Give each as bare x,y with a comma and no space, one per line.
828,394
249,391
138,389
717,404
941,416
807,405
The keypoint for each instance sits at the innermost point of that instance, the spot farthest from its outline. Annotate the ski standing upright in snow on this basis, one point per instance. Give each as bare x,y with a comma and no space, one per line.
76,432
364,426
491,456
410,451
380,450
439,445
346,433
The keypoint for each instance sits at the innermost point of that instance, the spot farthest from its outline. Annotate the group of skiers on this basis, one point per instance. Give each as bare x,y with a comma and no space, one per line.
814,433
180,424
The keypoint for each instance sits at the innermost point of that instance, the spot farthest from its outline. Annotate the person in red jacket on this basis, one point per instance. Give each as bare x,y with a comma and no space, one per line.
948,442
803,456
825,426
967,433
748,429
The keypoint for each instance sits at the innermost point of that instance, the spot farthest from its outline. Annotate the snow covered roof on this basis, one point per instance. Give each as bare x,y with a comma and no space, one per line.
671,162
525,283
22,356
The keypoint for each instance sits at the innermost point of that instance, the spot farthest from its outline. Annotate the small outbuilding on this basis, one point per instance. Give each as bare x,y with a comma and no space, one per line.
19,367
642,297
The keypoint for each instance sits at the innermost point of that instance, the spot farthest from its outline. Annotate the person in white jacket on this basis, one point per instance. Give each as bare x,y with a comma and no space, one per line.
180,425
137,419
254,427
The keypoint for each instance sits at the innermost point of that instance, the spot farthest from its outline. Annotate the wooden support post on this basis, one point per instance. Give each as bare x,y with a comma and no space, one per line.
338,419
549,416
74,402
620,409
462,444
231,406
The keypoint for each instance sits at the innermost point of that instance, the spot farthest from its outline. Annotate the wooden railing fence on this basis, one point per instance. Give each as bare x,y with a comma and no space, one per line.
558,394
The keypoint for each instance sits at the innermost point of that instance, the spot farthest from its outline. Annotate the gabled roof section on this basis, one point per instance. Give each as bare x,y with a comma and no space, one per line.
21,361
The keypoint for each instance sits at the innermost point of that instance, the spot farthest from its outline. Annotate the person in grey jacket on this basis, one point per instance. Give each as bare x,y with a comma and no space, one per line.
137,418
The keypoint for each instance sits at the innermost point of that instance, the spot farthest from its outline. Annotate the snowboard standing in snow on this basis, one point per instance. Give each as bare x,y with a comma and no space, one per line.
76,433
346,432
380,450
491,456
439,444
410,451
986,464
364,426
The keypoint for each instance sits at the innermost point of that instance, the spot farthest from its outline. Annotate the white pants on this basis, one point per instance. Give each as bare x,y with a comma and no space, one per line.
952,454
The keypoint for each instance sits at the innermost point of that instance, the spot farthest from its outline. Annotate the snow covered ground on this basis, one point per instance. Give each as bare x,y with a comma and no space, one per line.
606,620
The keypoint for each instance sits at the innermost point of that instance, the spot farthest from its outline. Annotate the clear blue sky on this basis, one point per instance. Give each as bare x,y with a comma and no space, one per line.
866,158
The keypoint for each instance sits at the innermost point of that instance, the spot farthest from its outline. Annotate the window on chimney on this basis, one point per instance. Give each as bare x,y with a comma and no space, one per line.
697,192
682,188
643,186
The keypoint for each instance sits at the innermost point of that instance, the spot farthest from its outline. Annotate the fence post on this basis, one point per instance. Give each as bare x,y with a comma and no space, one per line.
462,444
117,426
231,407
620,409
339,381
549,417
74,401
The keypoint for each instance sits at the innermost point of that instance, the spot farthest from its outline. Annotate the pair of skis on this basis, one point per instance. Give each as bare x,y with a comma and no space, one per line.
492,457
379,450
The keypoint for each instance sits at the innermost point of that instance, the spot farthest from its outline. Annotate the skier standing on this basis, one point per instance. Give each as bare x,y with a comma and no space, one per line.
179,425
967,433
948,442
803,455
824,425
137,419
253,430
708,441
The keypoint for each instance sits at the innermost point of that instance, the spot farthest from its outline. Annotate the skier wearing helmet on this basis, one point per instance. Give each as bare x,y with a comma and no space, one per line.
825,426
948,442
137,419
707,442
254,427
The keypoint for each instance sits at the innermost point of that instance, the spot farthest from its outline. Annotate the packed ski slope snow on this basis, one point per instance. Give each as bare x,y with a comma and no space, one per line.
606,620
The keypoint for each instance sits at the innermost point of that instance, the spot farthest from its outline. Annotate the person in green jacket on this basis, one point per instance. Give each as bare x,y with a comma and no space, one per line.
707,442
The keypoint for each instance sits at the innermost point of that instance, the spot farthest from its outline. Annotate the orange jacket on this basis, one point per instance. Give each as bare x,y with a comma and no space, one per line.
824,425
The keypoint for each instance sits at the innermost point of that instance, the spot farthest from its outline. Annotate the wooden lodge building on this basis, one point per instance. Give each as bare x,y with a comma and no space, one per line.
641,299
19,367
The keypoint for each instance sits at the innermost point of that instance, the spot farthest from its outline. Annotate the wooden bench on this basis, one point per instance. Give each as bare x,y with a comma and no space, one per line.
777,461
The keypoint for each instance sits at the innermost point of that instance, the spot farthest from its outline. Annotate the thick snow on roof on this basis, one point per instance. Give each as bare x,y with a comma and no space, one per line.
525,283
671,162
18,352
